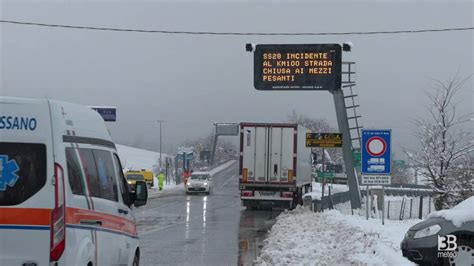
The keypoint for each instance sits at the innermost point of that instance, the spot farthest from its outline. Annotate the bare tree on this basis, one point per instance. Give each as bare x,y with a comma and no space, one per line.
317,125
313,124
445,146
401,175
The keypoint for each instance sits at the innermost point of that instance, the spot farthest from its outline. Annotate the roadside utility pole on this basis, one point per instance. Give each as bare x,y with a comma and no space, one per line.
160,121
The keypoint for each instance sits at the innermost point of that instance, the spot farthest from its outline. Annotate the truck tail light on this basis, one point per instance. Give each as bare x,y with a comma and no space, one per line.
245,173
58,216
287,194
247,193
290,176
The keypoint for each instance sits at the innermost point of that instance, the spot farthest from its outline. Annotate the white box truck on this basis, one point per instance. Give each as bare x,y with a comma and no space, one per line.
275,165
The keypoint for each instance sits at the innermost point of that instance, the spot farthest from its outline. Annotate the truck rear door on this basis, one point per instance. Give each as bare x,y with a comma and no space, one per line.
254,152
281,154
268,153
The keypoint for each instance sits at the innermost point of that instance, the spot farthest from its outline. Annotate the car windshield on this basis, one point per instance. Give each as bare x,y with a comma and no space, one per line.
199,177
135,177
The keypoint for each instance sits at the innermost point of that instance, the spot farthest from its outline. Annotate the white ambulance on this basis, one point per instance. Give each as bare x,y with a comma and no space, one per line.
63,197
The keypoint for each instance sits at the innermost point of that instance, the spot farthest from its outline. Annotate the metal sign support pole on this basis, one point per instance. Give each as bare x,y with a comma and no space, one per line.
214,145
367,203
343,124
322,197
383,205
160,121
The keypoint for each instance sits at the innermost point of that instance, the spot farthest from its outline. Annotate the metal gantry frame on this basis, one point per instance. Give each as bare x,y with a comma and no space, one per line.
344,124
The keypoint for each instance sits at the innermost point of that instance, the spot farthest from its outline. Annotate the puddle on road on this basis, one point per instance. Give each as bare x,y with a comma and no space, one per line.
253,229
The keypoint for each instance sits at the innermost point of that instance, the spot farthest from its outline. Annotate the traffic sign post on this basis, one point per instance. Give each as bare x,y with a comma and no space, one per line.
108,113
324,140
376,161
357,158
325,175
376,152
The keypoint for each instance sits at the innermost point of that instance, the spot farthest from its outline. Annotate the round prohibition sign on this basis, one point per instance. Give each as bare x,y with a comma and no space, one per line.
376,146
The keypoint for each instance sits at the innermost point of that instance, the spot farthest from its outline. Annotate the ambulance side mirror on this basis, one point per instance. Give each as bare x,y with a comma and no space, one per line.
141,194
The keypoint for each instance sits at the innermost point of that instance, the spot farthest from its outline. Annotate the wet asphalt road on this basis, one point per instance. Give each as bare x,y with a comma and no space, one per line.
253,229
180,229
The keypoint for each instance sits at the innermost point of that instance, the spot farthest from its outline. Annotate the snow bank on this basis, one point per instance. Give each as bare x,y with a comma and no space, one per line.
136,159
461,213
302,237
317,190
221,167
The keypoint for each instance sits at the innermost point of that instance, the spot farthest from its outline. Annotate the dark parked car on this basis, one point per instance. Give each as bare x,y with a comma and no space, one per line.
453,229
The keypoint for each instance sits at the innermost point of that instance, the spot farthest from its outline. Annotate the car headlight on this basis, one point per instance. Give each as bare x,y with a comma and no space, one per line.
188,184
129,182
428,231
205,183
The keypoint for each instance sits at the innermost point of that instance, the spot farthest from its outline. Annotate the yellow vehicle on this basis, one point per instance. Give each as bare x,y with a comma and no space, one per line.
132,179
144,175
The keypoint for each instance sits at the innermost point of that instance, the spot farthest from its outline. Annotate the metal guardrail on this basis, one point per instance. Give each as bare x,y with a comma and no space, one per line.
408,186
327,202
404,192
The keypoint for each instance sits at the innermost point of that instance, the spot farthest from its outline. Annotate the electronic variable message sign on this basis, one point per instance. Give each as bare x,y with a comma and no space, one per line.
324,140
297,67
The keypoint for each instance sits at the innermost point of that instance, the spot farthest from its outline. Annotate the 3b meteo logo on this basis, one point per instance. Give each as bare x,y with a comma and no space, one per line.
446,246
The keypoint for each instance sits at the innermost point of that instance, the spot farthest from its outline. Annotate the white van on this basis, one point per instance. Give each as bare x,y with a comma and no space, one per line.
63,197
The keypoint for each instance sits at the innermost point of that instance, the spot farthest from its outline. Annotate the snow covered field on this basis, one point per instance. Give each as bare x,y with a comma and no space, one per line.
303,237
136,159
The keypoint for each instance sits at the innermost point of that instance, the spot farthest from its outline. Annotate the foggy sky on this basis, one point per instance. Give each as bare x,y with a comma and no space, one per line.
194,81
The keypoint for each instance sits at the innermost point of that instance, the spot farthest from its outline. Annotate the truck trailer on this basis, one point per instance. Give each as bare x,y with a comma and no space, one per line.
275,165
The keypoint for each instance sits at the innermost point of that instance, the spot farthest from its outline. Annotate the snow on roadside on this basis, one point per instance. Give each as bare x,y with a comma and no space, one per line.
332,238
317,190
137,159
221,167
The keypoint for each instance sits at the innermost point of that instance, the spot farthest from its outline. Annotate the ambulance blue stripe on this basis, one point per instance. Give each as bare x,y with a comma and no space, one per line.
25,227
86,227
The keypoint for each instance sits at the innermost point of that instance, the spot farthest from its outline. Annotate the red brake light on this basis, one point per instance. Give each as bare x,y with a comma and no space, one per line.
58,216
246,193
